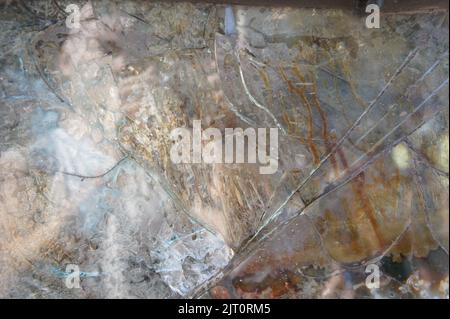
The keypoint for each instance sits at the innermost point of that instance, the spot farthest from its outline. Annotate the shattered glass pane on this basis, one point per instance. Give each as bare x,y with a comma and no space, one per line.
88,178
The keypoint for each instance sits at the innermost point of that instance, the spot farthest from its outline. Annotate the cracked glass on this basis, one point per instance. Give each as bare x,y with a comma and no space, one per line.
87,178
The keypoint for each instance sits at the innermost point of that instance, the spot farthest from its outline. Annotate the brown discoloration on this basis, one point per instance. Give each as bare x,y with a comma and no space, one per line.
368,202
358,186
300,92
325,133
220,292
274,285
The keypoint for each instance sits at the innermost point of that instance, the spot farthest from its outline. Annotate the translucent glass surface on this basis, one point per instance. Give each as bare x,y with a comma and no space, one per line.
87,177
